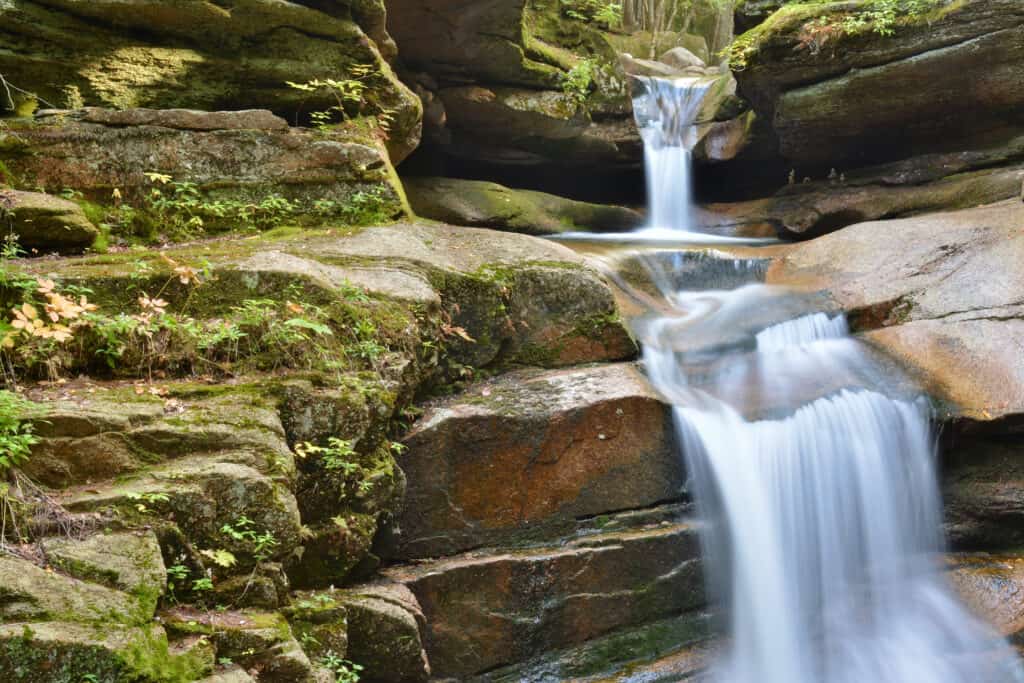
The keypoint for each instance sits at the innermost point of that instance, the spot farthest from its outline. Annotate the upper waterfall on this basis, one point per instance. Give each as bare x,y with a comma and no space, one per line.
667,113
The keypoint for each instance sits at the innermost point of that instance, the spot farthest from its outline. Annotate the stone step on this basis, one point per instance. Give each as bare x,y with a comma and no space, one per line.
489,609
672,649
523,456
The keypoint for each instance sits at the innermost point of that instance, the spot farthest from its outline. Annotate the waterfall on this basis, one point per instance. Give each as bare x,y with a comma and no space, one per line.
821,534
666,112
812,466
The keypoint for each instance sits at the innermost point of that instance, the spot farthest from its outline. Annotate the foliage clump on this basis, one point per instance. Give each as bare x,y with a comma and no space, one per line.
173,210
601,12
16,431
578,82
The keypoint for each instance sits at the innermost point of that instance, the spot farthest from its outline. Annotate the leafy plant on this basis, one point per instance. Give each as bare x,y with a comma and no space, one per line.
337,455
16,433
345,671
260,544
602,12
579,80
349,95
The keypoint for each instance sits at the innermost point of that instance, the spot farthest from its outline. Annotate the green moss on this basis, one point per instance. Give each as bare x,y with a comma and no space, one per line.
63,653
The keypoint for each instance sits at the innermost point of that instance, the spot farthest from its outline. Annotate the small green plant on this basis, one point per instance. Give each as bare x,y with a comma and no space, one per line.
579,80
817,28
144,500
260,544
177,574
203,584
337,455
16,433
345,671
349,95
220,557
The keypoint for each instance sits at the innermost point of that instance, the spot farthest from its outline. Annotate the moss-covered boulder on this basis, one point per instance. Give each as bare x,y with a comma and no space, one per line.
377,626
493,298
129,561
31,593
384,633
489,205
260,642
44,223
850,83
62,652
242,158
199,55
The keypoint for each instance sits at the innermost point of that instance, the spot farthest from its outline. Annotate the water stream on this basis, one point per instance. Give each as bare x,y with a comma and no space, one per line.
812,463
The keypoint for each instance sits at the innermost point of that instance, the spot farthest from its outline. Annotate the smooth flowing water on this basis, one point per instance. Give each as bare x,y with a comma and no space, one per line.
666,113
813,468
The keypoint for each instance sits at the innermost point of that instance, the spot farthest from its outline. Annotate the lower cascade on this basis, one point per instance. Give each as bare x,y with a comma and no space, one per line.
822,527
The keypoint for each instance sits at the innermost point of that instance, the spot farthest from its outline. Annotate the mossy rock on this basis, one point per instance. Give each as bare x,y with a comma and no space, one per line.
815,69
489,205
44,223
70,51
128,561
61,652
256,640
31,593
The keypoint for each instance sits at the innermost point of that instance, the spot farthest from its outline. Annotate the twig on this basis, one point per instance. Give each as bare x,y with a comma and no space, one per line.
8,87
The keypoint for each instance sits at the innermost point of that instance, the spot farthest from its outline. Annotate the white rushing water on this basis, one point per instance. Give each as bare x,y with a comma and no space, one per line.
822,527
666,113
814,472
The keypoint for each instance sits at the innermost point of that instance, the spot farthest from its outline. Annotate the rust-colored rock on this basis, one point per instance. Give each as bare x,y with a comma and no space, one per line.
529,453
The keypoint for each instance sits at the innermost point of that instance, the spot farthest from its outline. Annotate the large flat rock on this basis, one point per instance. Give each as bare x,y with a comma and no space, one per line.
240,156
516,298
527,454
941,293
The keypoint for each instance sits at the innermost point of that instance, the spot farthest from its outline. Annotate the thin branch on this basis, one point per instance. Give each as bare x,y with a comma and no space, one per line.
8,87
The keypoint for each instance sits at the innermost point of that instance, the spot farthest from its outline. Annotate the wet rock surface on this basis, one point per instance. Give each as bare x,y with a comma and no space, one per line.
484,610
